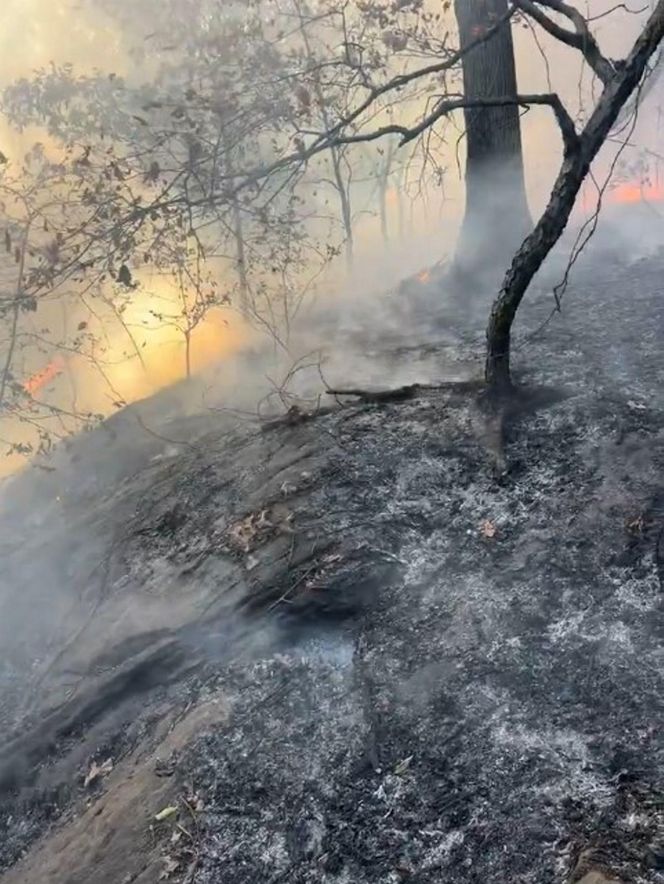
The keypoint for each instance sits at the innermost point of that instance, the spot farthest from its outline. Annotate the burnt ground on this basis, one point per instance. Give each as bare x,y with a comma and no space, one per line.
349,650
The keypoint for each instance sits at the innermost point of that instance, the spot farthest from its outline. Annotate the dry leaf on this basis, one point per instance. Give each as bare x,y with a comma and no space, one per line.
171,866
97,771
263,520
243,532
403,766
256,525
636,525
488,529
194,801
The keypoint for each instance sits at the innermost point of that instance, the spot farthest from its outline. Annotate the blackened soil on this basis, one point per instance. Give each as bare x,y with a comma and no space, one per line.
433,672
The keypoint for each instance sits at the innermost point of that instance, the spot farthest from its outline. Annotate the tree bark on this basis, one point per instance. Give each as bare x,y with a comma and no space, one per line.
576,164
496,215
237,227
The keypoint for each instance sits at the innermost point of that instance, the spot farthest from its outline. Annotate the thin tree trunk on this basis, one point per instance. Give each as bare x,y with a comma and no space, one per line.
341,186
240,257
344,200
187,353
382,206
400,215
495,187
238,229
551,225
383,186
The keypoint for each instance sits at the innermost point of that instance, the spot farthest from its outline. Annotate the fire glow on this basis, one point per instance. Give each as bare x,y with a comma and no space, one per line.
628,193
39,380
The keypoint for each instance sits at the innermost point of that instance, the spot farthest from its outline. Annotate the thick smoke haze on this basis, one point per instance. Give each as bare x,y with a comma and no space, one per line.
290,589
422,231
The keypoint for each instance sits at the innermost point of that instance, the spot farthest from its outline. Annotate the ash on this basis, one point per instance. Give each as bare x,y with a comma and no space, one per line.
431,672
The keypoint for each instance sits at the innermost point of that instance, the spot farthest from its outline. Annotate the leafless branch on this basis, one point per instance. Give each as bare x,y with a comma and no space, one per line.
580,38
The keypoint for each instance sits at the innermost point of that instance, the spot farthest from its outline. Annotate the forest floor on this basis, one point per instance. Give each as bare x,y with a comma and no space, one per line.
349,649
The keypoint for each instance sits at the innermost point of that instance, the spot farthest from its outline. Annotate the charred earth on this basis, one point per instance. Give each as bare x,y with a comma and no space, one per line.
345,649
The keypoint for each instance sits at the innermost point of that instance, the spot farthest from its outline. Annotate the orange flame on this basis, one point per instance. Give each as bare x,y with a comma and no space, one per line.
38,380
424,277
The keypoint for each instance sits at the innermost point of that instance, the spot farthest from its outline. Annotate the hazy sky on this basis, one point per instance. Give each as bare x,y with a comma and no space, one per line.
32,32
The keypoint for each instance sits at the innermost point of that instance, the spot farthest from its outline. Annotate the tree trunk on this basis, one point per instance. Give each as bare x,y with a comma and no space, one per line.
400,213
237,227
382,208
496,215
187,353
344,203
575,167
240,257
383,186
336,153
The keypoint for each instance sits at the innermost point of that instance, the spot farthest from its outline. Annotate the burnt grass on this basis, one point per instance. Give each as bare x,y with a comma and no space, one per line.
436,672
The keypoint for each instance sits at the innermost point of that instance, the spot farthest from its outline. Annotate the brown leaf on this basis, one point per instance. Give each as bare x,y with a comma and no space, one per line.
98,771
488,529
171,866
636,525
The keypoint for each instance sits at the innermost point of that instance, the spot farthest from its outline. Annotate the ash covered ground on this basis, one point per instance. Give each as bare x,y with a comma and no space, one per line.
350,650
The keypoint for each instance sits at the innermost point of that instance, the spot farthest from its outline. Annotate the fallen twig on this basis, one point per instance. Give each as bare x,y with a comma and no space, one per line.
409,391
395,395
295,416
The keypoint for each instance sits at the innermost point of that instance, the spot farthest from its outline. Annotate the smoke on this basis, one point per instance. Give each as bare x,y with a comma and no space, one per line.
418,230
348,324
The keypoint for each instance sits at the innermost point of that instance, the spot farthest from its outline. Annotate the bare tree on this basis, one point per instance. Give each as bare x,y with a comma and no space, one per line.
620,79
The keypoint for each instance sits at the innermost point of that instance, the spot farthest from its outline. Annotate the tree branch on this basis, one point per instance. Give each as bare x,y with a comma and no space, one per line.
325,140
447,106
580,38
567,128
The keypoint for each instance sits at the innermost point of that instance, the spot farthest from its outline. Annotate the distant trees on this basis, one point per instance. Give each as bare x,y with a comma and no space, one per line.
43,257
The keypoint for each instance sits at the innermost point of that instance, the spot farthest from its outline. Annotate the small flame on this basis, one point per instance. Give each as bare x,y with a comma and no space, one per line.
424,277
38,380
